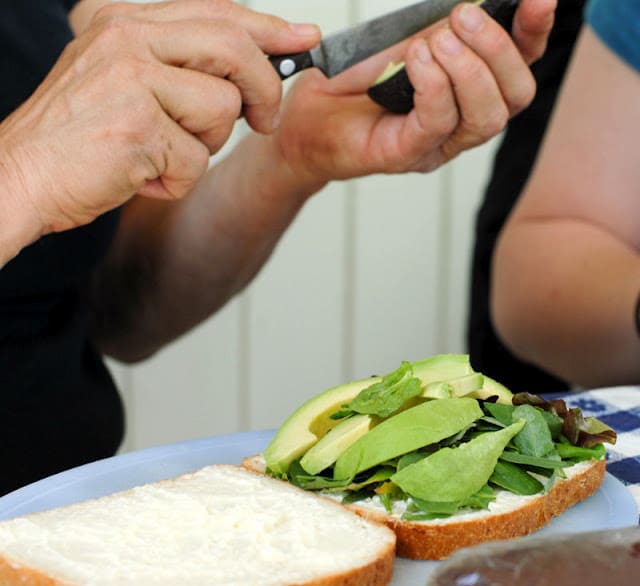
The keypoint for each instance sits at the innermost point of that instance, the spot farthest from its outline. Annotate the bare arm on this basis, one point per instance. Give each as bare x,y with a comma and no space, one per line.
567,266
173,265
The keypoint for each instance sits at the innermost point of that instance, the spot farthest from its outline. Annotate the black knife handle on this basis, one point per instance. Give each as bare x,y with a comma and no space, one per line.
288,65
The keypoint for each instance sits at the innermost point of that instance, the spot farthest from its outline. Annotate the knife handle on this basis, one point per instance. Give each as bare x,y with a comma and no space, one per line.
288,65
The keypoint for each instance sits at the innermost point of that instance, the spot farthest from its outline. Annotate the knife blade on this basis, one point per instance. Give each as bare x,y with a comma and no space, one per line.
340,50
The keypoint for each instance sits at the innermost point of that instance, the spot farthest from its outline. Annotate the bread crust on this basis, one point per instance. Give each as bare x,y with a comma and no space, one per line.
429,540
13,574
377,573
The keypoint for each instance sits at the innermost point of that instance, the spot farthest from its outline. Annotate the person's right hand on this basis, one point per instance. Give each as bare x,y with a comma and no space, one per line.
138,102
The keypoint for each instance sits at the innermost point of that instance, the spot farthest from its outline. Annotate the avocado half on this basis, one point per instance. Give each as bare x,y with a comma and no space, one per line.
393,90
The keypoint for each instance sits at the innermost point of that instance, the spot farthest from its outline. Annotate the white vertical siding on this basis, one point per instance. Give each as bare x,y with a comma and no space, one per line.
372,272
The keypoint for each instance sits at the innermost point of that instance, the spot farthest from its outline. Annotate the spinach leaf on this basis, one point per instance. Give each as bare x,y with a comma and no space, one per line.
387,395
514,479
526,460
423,510
299,477
535,438
503,413
578,454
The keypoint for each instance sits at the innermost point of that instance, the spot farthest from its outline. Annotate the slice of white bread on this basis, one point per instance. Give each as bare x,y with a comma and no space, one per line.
509,516
221,525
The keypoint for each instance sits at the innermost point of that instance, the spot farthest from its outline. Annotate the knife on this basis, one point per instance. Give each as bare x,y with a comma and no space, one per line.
341,50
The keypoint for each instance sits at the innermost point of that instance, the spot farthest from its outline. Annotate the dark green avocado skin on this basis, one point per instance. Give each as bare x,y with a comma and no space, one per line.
396,92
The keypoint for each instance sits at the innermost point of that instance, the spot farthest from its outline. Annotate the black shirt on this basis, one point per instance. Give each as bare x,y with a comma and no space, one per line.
512,165
59,407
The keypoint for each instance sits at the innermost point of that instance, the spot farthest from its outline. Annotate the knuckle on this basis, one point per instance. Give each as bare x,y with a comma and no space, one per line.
113,30
214,9
523,96
500,42
491,123
446,125
200,159
111,9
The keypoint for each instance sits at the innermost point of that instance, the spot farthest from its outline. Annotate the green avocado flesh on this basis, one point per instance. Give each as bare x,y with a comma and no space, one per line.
433,433
312,421
308,424
406,432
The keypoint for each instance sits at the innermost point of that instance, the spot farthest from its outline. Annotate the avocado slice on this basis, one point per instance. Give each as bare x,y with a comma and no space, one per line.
492,388
442,367
310,422
326,451
410,430
393,89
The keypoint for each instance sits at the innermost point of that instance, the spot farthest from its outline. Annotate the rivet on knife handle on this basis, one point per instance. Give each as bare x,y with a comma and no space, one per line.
288,65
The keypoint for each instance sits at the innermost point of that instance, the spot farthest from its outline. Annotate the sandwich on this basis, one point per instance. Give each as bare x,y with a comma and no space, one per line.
219,525
441,454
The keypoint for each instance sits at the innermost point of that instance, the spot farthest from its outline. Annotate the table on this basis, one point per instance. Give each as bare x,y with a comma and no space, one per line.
618,407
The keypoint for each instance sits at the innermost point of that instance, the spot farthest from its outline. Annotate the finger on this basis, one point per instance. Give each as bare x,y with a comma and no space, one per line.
435,114
495,47
531,27
271,33
482,108
224,50
361,76
204,105
175,166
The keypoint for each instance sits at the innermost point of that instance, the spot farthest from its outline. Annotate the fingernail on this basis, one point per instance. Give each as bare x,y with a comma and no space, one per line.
449,43
423,53
472,17
304,29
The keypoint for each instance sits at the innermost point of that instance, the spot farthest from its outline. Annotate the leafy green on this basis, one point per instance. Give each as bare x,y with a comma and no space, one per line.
526,460
299,477
535,438
423,510
586,431
380,474
580,454
503,413
514,479
453,474
385,396
579,430
412,458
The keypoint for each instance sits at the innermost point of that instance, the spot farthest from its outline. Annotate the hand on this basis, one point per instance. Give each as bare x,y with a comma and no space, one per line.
469,79
139,101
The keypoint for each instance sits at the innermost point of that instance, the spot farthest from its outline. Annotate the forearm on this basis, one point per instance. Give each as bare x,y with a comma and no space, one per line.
174,264
564,295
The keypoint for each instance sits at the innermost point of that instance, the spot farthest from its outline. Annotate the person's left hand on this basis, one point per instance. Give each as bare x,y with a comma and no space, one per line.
469,77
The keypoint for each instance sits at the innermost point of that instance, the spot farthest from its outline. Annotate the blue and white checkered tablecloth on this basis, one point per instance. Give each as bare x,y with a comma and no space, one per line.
619,408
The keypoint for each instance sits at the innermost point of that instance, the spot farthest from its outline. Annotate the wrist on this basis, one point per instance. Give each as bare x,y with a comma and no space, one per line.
19,221
279,176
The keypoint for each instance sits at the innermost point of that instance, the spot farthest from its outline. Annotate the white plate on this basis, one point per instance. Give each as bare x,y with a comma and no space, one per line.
612,506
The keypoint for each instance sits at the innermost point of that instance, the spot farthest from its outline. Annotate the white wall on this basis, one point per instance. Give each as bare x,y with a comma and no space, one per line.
372,272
